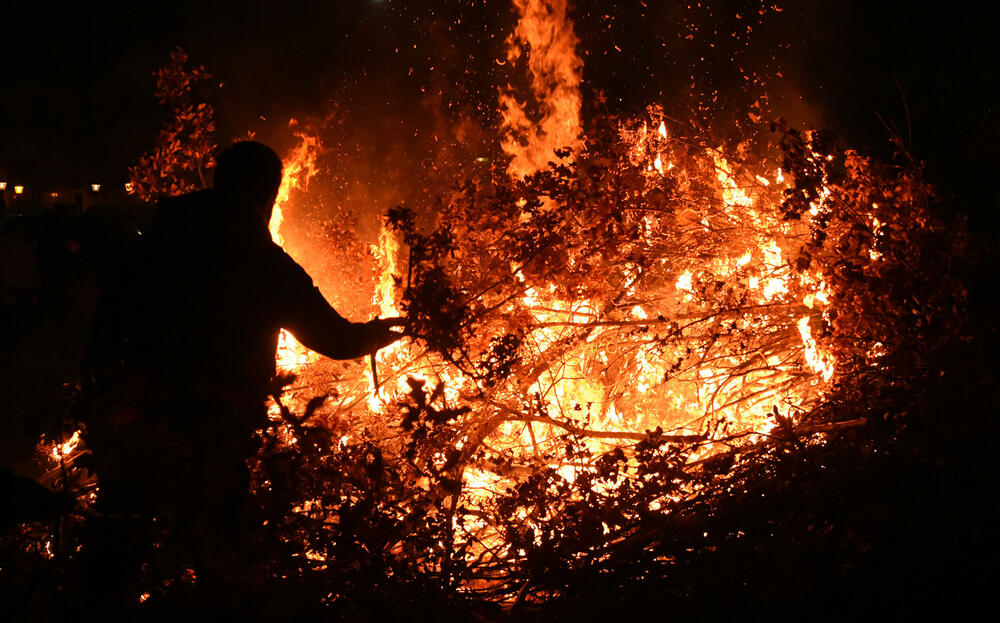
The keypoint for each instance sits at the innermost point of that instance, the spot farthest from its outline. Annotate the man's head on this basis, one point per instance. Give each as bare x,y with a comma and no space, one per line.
250,172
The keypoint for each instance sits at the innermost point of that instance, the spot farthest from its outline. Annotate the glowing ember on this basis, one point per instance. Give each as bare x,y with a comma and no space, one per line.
65,448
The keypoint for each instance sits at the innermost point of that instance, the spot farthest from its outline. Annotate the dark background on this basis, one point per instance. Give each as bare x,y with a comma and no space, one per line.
76,96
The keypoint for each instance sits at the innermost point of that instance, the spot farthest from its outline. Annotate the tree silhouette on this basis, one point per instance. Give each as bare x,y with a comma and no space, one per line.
183,150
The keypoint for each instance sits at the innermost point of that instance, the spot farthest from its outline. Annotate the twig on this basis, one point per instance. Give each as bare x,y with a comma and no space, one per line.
832,427
583,432
521,594
909,121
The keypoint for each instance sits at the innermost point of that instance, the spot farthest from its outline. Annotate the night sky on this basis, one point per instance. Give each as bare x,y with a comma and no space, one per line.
76,98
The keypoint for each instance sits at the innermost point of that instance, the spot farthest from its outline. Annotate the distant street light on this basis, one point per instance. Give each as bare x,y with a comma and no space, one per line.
3,185
18,190
95,187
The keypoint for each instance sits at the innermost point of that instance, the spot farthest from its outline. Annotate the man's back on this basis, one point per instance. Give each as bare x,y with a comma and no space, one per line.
204,286
203,297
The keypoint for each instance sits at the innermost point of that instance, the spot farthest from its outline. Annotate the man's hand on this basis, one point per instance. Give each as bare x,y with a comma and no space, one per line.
379,332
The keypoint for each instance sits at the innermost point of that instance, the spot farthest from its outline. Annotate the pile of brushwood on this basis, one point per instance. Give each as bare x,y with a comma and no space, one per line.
880,501
875,502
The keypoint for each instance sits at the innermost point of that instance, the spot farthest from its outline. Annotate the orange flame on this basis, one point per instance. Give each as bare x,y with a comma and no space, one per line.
65,448
556,70
299,168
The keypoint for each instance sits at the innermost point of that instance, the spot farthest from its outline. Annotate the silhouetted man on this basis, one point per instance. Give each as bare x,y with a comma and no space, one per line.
207,291
183,348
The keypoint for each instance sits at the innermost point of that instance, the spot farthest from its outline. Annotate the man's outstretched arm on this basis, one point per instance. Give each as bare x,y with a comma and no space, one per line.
315,323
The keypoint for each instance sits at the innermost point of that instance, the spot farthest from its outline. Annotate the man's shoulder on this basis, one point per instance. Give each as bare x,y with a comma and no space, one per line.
281,272
194,200
179,211
284,262
198,196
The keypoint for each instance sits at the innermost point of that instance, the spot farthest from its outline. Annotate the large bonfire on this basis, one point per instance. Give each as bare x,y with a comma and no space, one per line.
600,319
606,319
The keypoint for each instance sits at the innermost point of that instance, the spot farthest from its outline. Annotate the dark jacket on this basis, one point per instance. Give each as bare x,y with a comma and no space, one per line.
203,297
